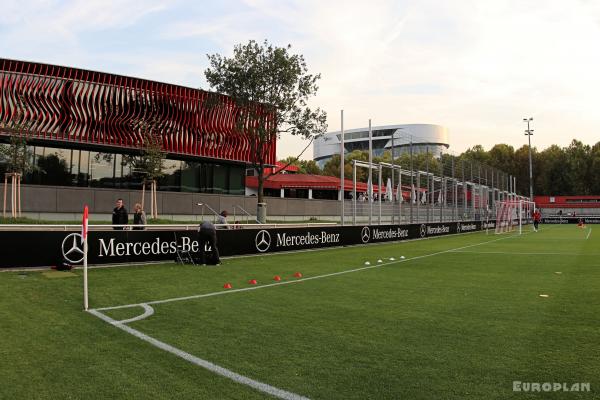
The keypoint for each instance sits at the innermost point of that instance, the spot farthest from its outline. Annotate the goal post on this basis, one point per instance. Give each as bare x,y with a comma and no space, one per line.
511,215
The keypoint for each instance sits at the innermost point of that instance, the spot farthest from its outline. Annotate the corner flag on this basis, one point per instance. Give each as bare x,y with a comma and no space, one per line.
84,224
84,232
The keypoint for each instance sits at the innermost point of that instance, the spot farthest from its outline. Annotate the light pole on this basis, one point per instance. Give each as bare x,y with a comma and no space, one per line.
528,133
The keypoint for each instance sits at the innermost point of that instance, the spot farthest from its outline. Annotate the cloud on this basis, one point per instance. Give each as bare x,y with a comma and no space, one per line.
477,67
53,20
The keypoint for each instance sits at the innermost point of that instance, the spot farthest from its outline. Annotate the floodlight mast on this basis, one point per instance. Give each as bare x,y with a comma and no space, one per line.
529,133
342,176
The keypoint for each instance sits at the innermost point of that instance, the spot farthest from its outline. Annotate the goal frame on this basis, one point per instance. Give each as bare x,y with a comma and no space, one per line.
506,220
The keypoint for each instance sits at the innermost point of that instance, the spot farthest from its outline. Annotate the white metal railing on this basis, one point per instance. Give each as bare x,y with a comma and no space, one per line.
158,227
248,215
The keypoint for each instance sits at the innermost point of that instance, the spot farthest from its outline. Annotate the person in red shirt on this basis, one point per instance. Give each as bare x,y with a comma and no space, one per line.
537,216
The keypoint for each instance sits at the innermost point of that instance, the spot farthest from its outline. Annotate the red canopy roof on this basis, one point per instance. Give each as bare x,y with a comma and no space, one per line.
306,181
279,166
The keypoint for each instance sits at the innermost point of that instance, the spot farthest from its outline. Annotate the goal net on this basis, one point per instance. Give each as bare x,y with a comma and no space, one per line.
511,215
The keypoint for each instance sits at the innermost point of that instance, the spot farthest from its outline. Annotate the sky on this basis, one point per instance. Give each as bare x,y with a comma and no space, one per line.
477,67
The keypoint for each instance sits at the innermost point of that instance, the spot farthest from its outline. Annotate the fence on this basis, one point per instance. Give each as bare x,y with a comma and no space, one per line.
426,188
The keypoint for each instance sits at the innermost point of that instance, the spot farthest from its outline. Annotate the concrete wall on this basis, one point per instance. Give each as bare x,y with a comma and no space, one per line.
44,201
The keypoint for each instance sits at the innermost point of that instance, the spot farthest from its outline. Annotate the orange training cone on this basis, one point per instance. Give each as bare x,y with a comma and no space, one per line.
227,286
298,275
277,278
252,281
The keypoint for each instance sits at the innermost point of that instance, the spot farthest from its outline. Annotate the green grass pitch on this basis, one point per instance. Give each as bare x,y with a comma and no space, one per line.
460,317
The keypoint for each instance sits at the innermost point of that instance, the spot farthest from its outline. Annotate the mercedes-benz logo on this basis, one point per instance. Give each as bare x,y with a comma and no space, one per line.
263,241
72,247
458,228
423,230
365,234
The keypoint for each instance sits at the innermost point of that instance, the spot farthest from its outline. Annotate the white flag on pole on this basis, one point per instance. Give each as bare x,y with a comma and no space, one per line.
84,224
388,190
399,190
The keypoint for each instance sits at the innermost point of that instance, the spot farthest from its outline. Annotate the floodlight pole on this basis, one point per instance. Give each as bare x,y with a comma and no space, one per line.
529,133
380,192
392,194
342,177
412,180
353,192
428,190
370,180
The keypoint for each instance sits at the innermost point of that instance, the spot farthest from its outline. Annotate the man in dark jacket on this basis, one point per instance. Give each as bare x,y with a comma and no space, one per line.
208,235
119,216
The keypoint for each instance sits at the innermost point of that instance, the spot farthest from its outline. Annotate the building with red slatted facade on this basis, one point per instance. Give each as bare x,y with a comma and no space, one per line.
567,205
80,124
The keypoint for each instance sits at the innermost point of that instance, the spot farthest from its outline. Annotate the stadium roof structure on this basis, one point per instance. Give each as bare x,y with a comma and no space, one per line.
72,107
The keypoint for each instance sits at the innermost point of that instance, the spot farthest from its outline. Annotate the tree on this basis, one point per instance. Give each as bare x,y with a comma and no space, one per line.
595,167
291,161
579,173
16,155
309,167
502,157
521,164
55,169
332,166
551,170
150,162
476,153
272,87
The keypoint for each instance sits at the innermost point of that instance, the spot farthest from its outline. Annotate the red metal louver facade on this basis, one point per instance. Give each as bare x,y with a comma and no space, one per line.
99,110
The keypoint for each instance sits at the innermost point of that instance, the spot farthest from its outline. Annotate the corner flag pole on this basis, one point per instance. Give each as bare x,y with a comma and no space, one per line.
84,232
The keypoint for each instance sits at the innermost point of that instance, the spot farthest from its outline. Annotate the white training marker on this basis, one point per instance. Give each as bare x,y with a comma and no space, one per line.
367,263
379,261
558,273
392,258
402,257
544,295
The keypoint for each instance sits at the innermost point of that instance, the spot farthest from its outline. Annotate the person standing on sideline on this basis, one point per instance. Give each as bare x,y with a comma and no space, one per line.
222,220
208,235
139,218
119,216
537,216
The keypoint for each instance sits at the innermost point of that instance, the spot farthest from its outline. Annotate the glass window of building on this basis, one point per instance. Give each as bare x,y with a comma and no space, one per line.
190,177
236,180
220,178
206,178
84,168
101,169
74,167
55,167
171,180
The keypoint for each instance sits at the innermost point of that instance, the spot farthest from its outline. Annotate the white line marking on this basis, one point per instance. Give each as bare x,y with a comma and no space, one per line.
148,311
263,387
525,254
224,292
589,233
